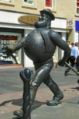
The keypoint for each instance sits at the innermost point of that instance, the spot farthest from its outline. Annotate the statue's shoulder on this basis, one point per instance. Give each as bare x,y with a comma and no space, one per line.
52,33
32,32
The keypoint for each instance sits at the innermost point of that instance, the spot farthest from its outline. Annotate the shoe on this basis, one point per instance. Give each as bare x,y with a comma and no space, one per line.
78,81
18,113
66,73
56,100
53,103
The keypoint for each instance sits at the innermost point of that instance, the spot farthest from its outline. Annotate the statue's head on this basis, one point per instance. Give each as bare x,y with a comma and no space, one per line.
48,13
46,16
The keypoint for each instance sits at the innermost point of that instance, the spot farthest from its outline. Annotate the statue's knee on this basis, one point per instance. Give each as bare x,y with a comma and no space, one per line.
25,74
34,85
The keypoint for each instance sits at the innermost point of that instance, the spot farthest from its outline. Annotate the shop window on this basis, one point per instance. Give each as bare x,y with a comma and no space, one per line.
77,4
8,41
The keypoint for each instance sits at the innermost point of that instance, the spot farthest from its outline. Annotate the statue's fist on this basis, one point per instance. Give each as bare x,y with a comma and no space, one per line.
8,51
61,62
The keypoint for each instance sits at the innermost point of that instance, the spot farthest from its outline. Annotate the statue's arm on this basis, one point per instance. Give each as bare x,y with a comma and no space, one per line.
57,40
18,45
10,50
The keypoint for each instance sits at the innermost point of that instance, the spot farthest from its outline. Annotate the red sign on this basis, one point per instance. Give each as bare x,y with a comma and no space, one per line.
48,3
8,37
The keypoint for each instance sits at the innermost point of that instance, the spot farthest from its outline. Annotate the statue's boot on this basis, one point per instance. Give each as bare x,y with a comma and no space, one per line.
58,95
56,100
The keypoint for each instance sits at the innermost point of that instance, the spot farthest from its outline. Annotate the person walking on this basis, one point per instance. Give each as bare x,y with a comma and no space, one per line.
73,57
77,59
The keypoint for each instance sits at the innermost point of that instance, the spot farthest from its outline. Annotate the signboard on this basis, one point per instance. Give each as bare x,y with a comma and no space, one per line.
69,23
59,23
77,26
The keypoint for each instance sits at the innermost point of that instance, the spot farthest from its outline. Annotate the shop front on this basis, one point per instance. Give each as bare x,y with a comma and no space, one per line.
11,31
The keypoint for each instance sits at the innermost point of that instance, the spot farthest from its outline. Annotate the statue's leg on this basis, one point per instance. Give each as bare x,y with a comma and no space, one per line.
40,75
58,95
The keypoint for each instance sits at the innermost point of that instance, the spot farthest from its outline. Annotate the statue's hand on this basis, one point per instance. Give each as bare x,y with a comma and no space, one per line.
61,62
8,51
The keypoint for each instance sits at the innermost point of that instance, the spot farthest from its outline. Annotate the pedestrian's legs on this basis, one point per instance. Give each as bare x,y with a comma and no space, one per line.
77,63
66,71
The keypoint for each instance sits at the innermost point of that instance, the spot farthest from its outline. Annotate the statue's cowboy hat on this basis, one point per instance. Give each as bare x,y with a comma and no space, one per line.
48,12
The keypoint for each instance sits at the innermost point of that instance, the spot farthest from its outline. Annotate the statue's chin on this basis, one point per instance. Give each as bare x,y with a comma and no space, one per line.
41,24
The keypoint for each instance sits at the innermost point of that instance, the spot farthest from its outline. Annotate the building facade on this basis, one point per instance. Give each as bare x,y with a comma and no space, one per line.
12,31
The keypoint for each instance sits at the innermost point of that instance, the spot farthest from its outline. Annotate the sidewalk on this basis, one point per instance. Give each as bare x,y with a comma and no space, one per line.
10,66
11,100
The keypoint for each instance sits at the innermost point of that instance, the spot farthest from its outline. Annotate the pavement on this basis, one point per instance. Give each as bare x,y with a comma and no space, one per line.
11,95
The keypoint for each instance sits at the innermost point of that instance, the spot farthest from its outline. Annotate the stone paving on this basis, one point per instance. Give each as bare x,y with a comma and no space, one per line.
11,100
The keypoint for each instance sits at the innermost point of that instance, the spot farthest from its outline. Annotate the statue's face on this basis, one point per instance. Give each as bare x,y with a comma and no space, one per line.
42,22
43,17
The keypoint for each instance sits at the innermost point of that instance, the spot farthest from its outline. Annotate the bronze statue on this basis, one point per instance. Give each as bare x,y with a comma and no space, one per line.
40,45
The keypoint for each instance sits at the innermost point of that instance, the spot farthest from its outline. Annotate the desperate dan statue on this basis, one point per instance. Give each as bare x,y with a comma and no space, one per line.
40,45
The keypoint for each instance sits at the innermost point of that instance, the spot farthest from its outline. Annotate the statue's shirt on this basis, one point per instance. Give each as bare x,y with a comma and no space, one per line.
36,48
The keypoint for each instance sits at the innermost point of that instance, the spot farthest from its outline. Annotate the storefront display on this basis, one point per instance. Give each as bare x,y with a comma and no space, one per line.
5,41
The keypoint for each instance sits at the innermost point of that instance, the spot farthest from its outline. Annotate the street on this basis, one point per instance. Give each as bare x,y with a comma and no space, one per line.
11,95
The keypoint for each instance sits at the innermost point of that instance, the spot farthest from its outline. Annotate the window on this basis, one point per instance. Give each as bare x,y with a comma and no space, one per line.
9,40
29,3
50,4
9,2
77,4
6,0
